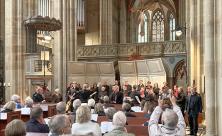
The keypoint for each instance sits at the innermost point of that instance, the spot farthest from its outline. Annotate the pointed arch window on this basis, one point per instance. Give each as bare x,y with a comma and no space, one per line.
172,27
143,31
158,27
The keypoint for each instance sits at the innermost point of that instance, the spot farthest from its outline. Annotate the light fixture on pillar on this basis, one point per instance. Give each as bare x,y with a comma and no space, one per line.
180,30
47,36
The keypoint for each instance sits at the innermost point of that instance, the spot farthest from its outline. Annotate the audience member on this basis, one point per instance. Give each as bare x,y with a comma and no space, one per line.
15,128
106,102
106,126
76,104
119,121
9,107
126,107
28,102
59,125
17,100
61,108
99,109
37,122
83,125
91,103
172,121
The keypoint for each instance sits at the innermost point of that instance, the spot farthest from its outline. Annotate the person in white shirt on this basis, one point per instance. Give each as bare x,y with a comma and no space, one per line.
172,120
84,125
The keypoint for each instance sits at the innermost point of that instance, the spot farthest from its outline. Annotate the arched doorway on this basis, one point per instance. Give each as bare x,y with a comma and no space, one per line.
180,74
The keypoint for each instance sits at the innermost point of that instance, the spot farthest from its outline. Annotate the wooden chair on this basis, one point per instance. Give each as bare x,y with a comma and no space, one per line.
138,130
139,114
51,110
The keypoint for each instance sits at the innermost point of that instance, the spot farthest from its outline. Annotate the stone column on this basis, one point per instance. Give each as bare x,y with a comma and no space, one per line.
14,48
209,65
123,21
106,21
218,65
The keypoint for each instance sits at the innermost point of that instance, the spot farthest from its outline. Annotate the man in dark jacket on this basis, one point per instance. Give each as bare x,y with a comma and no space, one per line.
193,108
116,96
37,123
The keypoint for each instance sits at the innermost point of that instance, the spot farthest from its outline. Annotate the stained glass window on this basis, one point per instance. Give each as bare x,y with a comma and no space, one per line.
158,27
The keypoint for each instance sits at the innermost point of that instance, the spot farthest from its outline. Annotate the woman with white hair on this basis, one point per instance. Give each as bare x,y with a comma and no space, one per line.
17,100
119,121
84,125
28,102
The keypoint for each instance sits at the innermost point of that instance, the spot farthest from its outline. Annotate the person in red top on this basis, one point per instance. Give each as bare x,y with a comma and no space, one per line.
175,91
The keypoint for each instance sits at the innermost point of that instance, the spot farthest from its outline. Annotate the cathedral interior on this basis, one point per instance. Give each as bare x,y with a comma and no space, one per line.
55,42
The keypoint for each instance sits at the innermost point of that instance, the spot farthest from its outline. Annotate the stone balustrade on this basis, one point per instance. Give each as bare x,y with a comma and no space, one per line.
158,49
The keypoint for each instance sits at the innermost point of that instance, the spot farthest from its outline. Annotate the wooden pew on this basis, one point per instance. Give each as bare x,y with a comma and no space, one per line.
138,130
136,120
10,116
101,119
139,114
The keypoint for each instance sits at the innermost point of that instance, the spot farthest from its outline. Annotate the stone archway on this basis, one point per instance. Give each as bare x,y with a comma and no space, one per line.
180,74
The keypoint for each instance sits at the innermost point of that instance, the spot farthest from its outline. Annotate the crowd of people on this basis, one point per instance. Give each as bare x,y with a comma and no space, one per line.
165,109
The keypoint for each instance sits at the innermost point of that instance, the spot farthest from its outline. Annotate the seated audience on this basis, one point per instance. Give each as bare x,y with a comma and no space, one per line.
16,98
9,107
126,107
28,102
56,96
59,125
37,122
15,128
119,121
38,95
172,121
106,102
99,109
135,93
61,108
91,104
76,104
148,109
106,126
83,125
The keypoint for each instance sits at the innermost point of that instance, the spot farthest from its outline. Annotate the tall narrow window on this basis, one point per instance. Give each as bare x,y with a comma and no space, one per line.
143,31
172,27
158,27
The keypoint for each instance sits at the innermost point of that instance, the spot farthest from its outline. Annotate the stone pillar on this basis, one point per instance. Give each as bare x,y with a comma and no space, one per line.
209,65
14,48
106,21
218,52
123,21
58,58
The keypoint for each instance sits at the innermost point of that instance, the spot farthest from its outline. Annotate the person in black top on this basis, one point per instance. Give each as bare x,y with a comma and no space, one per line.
116,96
36,122
181,99
193,108
85,93
133,95
38,95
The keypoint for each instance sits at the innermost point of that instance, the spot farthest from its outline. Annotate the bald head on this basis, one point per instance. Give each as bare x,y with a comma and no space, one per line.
61,108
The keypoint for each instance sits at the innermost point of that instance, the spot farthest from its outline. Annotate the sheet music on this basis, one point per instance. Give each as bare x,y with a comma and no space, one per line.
44,107
25,111
3,116
106,126
94,117
136,109
138,100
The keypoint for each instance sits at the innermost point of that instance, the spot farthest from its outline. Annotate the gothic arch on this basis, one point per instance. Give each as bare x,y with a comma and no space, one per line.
180,73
